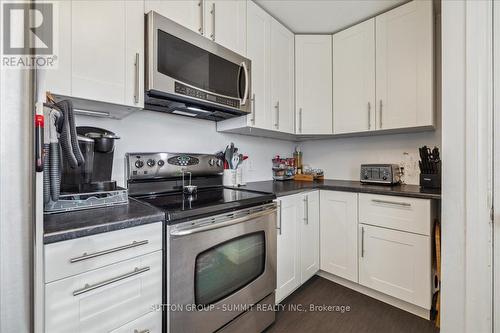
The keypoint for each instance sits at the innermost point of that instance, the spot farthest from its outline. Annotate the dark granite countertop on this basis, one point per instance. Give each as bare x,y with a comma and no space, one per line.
70,225
282,188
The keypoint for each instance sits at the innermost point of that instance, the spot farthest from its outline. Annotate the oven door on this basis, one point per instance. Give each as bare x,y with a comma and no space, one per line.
218,267
188,67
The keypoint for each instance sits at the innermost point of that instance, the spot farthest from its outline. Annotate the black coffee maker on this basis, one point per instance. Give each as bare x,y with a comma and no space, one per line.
97,146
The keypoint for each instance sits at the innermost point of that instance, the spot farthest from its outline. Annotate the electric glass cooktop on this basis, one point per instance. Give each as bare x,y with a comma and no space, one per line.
180,207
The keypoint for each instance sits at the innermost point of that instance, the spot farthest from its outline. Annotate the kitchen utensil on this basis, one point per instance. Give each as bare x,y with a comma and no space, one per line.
227,157
235,161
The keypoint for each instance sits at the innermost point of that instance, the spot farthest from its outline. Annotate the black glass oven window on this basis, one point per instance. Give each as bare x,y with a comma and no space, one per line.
195,66
228,267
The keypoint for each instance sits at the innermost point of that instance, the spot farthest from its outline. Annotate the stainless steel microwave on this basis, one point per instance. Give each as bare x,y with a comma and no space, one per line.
191,75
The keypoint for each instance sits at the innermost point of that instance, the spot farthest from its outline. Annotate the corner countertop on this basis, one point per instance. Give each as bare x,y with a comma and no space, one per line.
282,188
69,225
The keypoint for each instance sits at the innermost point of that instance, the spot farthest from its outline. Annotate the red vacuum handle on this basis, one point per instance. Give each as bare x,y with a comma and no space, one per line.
39,124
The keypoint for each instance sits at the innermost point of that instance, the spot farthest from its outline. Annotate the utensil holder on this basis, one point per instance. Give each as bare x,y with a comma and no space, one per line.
430,180
239,177
229,177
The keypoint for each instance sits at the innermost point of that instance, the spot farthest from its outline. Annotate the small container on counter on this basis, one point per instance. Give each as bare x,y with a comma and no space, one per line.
229,177
283,168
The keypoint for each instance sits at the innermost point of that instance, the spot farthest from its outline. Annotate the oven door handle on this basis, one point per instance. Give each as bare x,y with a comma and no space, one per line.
189,231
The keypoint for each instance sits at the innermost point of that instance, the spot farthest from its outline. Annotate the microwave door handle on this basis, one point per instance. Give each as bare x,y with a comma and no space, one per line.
245,94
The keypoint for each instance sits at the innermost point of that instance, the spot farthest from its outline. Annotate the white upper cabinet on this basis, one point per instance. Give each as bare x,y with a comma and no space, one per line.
313,84
282,78
102,61
225,23
188,13
354,79
58,80
259,52
339,234
404,66
270,47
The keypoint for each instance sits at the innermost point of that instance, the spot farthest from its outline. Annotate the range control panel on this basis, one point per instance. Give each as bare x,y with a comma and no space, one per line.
380,173
169,165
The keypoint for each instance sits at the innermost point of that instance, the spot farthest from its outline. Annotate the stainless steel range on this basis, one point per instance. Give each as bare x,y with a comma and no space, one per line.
220,253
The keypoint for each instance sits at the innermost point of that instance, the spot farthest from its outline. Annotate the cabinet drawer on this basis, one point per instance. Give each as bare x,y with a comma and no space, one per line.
80,255
396,263
150,323
106,298
400,213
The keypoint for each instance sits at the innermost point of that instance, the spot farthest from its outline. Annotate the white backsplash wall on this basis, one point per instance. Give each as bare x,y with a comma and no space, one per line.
148,131
341,158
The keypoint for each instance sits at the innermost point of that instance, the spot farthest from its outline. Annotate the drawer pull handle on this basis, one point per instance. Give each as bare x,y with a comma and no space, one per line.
405,204
90,287
86,256
143,331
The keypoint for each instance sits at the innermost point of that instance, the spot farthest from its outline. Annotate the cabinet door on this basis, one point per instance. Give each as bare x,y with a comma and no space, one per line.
288,274
404,58
282,77
188,13
339,234
258,51
313,84
309,236
354,79
58,80
150,323
225,23
396,263
134,53
106,63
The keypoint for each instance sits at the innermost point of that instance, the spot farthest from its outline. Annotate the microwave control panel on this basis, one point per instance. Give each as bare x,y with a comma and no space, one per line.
185,90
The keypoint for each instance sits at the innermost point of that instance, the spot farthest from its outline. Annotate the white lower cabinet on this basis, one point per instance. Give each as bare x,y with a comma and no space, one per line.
380,242
288,251
396,263
339,234
309,237
298,236
150,323
106,298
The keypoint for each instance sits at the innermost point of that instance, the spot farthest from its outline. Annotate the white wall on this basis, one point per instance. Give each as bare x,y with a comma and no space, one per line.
148,131
467,290
341,158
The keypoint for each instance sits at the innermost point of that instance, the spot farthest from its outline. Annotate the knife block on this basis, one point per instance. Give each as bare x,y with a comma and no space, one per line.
430,180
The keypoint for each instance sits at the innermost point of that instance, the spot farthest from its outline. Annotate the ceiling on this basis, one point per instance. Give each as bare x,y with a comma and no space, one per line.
325,16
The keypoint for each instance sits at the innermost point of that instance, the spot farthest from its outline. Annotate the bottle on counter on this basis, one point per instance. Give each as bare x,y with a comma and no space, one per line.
297,155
